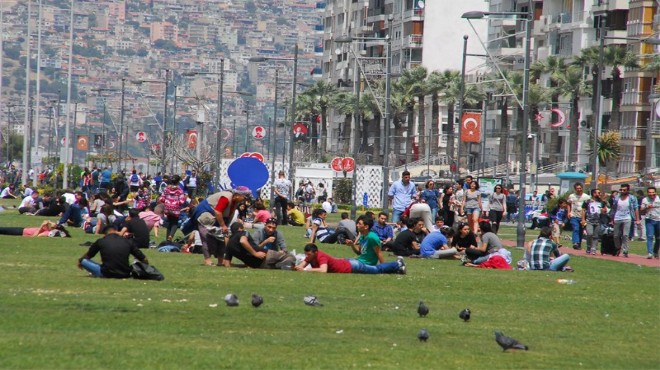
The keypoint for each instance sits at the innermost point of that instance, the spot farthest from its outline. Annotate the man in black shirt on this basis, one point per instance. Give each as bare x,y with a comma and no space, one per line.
242,246
135,229
115,251
408,241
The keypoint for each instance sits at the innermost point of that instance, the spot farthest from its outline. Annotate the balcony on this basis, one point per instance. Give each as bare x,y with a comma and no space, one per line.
655,130
318,50
633,133
413,15
319,28
605,5
635,98
320,6
317,72
414,41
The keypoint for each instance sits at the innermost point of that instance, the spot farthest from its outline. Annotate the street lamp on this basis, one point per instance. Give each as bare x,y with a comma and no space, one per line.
520,239
461,103
293,99
535,163
163,166
218,136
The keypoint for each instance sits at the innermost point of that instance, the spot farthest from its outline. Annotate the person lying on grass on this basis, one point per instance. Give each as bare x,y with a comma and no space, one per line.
322,262
47,228
242,246
115,251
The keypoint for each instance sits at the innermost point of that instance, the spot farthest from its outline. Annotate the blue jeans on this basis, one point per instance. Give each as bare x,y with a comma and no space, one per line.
358,267
652,231
396,215
558,263
576,237
91,266
74,214
434,213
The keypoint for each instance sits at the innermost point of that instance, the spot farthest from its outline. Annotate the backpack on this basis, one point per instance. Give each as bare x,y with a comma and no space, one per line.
142,271
134,178
171,200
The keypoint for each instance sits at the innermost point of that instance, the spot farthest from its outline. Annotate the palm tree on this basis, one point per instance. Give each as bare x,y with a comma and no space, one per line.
618,56
446,83
323,91
571,84
608,149
370,114
412,85
344,103
306,109
434,85
554,66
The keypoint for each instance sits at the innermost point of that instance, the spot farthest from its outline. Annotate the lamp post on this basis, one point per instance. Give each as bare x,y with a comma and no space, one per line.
535,162
520,234
293,99
247,128
274,151
163,164
461,103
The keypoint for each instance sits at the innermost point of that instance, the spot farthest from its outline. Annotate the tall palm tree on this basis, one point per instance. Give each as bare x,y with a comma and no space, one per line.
616,57
307,108
446,83
412,84
371,117
554,66
344,103
571,84
434,86
323,91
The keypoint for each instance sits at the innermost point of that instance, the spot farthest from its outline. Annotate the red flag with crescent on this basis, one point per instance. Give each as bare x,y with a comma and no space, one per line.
82,143
191,139
471,130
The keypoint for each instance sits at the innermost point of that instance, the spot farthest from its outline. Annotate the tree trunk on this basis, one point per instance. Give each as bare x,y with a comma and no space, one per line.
375,122
615,120
314,136
554,149
423,137
324,130
573,142
433,139
410,134
504,131
450,135
346,134
398,140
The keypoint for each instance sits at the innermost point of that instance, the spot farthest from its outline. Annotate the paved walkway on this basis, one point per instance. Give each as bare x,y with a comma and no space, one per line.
632,258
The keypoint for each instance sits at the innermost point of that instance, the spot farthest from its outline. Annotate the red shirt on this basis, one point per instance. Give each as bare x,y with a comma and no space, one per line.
335,265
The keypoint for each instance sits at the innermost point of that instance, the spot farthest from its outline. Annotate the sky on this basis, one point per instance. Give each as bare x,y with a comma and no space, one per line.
443,34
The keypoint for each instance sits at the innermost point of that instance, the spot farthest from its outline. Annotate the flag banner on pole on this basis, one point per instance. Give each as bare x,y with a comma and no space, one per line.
98,141
471,130
191,139
82,142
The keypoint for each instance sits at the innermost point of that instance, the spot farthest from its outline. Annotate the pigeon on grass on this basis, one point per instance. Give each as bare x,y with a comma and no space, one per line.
508,342
231,300
423,335
465,315
257,300
311,300
422,310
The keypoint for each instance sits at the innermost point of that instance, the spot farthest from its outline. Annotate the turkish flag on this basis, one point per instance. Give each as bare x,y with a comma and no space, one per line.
82,142
471,130
191,139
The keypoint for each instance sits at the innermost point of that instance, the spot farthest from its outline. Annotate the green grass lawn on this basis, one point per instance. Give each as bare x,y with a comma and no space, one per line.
53,316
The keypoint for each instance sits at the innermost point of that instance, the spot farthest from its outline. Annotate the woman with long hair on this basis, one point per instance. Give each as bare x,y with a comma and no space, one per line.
497,204
446,201
471,206
47,228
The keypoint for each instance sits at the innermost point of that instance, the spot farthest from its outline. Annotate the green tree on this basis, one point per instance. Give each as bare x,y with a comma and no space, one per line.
323,92
344,103
608,149
413,86
554,66
571,84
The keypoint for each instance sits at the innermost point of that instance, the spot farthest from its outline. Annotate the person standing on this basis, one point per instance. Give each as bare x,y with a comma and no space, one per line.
173,198
624,211
472,206
497,204
400,195
591,211
106,177
282,189
430,196
651,207
191,184
575,201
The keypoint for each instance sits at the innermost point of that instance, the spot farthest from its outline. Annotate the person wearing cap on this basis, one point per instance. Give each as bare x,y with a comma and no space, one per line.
242,246
269,237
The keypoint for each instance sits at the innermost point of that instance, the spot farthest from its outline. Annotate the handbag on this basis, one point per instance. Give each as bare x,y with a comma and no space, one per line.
143,271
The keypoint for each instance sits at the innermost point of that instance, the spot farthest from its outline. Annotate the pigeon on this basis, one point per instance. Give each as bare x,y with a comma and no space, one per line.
465,314
257,300
508,342
423,335
231,300
311,300
422,310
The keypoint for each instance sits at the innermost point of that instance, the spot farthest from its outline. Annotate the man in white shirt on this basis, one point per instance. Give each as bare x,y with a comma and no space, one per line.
282,190
575,202
624,211
29,203
651,207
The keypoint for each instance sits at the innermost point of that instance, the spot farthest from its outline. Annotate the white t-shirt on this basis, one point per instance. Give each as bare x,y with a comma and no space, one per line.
327,206
283,187
576,203
623,210
27,202
192,182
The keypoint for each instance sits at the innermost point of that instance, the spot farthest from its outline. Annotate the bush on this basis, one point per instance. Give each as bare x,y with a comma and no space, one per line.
343,193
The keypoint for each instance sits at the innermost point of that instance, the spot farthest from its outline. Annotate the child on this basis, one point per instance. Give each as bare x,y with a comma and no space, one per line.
559,218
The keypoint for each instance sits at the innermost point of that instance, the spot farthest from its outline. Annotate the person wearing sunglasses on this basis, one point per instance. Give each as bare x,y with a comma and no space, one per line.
624,210
269,237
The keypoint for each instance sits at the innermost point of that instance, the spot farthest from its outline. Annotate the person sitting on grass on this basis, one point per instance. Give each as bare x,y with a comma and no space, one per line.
115,251
538,253
295,217
322,262
153,217
29,203
464,238
367,246
242,246
269,237
408,241
436,244
321,232
8,193
135,229
489,242
47,228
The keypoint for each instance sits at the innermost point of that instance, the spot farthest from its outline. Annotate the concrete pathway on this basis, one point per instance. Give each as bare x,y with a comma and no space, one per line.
632,258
